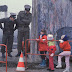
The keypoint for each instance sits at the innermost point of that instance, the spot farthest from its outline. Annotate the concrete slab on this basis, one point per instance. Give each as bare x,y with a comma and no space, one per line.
2,69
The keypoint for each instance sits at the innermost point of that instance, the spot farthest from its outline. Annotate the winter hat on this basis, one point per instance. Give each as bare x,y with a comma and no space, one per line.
49,37
64,37
43,30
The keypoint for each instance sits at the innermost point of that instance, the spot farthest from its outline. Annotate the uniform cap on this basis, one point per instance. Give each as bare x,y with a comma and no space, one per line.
27,6
13,15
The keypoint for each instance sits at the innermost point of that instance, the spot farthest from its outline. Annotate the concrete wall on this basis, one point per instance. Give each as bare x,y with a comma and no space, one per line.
50,15
54,14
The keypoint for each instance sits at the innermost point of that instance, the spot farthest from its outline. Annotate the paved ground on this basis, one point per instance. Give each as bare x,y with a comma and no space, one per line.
2,69
12,64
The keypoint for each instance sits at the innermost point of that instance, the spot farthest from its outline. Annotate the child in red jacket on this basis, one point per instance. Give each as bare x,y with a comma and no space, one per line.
51,49
42,46
65,46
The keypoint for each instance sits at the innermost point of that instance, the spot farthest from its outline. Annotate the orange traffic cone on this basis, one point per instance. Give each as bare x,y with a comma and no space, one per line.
20,66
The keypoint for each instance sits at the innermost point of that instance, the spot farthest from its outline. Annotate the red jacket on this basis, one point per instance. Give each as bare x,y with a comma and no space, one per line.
51,49
65,46
42,45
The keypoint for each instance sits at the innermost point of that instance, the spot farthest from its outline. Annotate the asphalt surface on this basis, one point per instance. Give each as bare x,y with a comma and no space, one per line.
12,65
3,69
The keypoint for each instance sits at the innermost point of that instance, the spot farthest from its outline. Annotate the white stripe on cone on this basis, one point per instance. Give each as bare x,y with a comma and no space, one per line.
21,59
20,69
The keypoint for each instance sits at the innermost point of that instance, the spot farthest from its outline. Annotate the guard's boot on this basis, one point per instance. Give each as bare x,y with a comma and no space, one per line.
3,55
66,70
18,54
43,63
59,65
9,54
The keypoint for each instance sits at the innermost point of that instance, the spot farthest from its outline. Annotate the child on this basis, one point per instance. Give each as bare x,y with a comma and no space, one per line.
51,49
65,46
42,45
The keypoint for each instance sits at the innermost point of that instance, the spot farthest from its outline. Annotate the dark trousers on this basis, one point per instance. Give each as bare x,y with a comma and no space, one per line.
43,56
22,34
7,40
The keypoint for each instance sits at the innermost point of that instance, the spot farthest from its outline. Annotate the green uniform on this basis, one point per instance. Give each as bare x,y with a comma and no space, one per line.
8,33
24,20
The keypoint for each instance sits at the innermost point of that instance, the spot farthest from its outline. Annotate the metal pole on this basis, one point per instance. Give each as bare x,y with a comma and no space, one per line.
6,56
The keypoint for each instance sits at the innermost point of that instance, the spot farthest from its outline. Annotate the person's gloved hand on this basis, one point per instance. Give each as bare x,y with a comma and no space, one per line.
52,55
61,41
43,39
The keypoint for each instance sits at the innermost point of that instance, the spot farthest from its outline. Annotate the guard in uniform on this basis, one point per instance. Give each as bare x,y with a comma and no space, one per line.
8,31
24,18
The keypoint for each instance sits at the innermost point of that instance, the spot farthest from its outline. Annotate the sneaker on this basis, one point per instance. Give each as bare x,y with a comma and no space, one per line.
50,69
9,54
40,64
43,63
3,55
58,66
66,70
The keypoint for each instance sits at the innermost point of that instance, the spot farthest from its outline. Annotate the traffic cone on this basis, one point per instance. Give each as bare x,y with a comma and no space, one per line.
20,66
